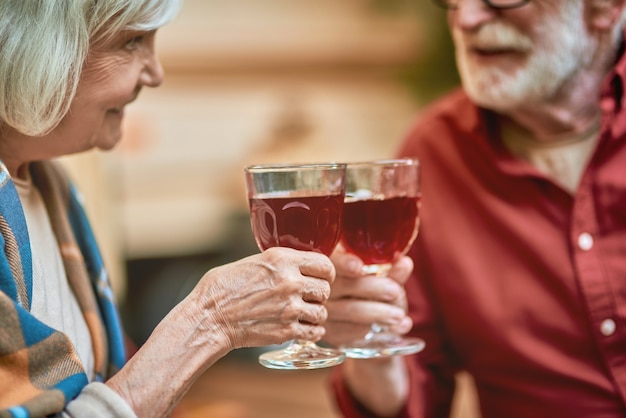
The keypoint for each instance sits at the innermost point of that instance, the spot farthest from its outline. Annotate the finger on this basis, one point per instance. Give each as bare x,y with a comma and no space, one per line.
313,314
316,265
315,290
367,287
307,332
282,333
401,270
364,312
346,264
402,327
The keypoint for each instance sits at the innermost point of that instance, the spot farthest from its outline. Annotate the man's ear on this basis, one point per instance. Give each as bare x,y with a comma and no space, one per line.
605,14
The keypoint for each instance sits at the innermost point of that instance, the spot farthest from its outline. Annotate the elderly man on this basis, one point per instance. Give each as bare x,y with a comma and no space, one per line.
519,270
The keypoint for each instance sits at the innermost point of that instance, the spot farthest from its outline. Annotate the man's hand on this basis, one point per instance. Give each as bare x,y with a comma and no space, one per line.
358,300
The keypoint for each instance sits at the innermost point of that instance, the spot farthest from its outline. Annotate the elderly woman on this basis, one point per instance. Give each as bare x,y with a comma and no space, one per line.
67,70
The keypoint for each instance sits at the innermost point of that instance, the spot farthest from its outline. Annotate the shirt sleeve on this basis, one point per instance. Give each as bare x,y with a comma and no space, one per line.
97,400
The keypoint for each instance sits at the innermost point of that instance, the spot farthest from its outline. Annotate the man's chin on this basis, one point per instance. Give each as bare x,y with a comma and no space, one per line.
490,99
496,93
500,104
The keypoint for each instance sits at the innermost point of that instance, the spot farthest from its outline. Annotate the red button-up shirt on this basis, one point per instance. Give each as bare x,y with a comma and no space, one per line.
517,281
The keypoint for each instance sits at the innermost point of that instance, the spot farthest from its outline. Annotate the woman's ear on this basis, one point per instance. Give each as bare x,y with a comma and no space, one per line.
605,14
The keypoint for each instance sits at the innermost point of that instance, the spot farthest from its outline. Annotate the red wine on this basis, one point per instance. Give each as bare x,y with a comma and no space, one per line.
310,223
379,231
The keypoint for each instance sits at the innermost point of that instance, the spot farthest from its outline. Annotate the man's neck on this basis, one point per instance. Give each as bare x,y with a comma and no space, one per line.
547,124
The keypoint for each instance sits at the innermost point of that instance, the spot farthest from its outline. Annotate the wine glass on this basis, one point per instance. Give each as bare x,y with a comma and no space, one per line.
297,206
379,223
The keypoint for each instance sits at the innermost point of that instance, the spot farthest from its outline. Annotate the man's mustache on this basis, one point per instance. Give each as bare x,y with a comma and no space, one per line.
496,36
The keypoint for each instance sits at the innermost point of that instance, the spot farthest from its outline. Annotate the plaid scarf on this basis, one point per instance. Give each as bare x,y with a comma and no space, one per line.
40,371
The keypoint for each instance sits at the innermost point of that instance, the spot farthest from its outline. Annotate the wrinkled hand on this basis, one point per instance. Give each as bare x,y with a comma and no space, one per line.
267,298
359,300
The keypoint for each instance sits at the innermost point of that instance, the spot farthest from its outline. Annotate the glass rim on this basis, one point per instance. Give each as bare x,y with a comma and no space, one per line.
286,167
408,161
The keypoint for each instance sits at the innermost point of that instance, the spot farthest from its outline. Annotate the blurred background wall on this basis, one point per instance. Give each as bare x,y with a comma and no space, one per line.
249,81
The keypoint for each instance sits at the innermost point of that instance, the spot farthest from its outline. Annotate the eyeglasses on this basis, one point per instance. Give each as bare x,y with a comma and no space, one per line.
494,4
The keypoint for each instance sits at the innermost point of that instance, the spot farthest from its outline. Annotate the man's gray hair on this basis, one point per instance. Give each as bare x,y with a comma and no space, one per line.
44,44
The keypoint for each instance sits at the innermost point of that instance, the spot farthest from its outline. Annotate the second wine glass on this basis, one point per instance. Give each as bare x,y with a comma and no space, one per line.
297,206
380,222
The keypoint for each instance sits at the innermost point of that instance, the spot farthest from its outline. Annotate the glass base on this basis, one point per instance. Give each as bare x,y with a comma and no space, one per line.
382,344
302,355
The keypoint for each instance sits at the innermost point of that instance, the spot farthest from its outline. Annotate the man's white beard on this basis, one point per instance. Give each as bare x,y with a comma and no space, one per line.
565,48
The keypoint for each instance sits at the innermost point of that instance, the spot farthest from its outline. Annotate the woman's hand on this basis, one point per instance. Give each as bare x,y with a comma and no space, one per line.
359,300
268,298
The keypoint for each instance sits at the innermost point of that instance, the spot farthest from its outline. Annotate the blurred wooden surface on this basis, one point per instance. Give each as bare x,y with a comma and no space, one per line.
232,389
244,389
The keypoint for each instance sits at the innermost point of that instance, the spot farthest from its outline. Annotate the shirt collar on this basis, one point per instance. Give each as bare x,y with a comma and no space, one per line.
612,101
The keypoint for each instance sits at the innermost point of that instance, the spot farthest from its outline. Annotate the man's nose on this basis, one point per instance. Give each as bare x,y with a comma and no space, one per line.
471,14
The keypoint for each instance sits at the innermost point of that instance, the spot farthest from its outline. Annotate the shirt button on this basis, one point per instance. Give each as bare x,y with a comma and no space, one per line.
585,241
607,327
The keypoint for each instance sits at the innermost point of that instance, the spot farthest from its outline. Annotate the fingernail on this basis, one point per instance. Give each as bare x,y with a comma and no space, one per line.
391,291
406,324
396,317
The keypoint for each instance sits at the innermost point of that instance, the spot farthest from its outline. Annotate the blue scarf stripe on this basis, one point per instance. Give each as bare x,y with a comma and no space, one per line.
13,214
19,412
34,330
112,320
104,294
72,385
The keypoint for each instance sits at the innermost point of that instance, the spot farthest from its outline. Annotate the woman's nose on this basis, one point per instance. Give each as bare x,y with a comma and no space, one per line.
152,74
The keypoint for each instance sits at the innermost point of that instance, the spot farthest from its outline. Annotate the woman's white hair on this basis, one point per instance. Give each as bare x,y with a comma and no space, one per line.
44,44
